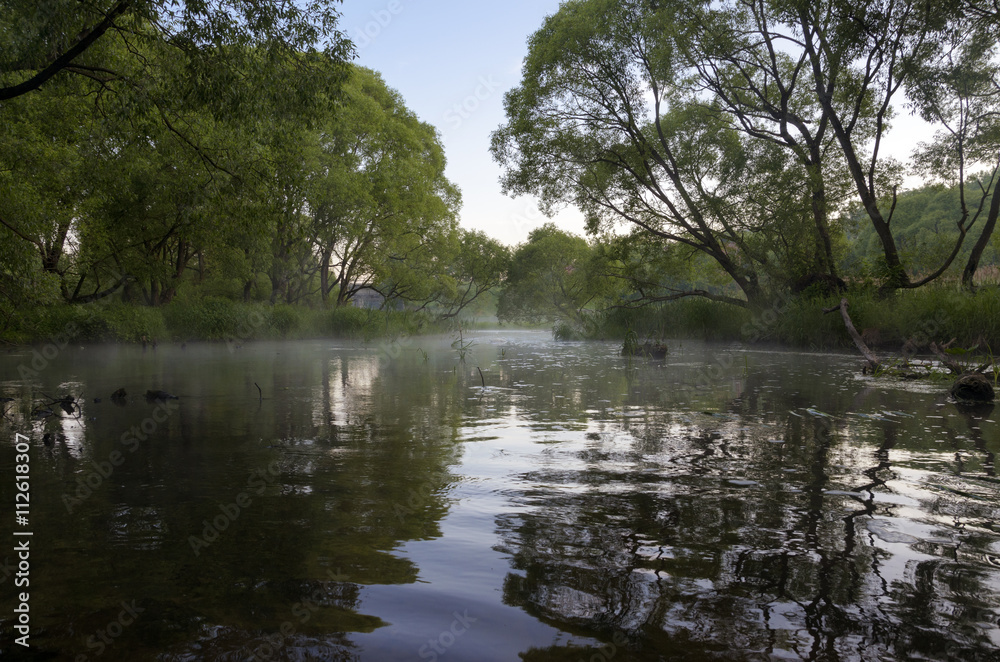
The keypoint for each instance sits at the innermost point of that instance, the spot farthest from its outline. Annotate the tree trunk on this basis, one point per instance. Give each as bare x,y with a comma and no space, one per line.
278,287
873,362
984,239
827,264
324,276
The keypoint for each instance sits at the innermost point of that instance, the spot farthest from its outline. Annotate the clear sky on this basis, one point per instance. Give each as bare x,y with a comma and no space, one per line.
452,61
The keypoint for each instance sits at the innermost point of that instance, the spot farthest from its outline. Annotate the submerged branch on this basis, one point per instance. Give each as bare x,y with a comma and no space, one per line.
873,362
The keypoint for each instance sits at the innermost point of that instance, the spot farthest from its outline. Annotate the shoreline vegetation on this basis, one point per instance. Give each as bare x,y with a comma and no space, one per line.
903,323
907,321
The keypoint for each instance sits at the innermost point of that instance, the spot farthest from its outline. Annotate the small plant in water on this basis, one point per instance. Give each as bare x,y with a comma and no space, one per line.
461,345
994,367
631,344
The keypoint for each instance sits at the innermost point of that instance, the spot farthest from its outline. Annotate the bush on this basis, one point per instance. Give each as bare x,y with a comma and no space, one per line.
285,320
931,313
130,323
346,321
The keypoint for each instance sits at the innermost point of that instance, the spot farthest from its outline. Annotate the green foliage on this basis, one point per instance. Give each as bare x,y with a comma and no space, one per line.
383,213
937,314
703,125
285,319
925,227
551,278
347,321
214,318
684,318
208,157
236,54
131,323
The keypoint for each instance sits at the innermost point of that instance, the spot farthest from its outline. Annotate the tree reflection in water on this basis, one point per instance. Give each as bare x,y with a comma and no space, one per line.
761,536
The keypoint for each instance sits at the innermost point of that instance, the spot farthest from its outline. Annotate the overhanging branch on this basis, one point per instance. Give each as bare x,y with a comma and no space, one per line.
62,61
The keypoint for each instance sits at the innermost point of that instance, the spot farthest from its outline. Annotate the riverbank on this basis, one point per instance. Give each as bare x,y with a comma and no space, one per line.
209,318
929,314
887,322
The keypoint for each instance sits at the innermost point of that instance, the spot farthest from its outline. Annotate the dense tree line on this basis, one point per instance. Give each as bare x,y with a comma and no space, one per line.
747,131
730,150
147,147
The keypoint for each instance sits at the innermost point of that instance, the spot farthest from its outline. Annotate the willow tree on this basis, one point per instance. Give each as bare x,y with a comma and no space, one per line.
232,46
608,117
754,69
956,88
379,200
865,63
162,72
551,278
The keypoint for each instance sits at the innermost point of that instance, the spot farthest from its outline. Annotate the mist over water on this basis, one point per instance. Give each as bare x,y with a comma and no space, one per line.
389,501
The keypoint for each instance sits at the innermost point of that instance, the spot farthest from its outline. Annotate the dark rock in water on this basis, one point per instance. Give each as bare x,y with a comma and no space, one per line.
118,397
972,387
68,404
160,395
653,350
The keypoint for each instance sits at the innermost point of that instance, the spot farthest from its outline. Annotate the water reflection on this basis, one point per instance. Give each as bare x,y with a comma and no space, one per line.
563,503
770,528
237,521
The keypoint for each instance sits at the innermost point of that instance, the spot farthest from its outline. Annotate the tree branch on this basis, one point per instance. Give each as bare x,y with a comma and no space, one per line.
64,60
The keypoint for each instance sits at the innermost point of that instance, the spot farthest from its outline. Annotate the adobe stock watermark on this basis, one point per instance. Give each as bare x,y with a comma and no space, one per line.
440,644
43,355
467,107
608,651
925,333
246,330
418,497
106,636
213,529
529,218
102,470
752,331
303,611
393,349
365,35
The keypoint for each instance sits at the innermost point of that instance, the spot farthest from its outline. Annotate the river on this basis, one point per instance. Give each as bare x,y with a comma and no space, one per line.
506,498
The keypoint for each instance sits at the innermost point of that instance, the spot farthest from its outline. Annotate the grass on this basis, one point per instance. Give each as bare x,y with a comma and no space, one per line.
921,316
214,318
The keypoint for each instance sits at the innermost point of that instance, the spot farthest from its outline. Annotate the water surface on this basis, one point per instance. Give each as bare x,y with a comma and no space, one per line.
389,501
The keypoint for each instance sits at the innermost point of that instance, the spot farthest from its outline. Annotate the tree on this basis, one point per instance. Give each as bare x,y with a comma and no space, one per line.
43,176
231,46
165,112
378,198
480,266
862,59
956,86
756,72
464,266
639,271
607,118
549,279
